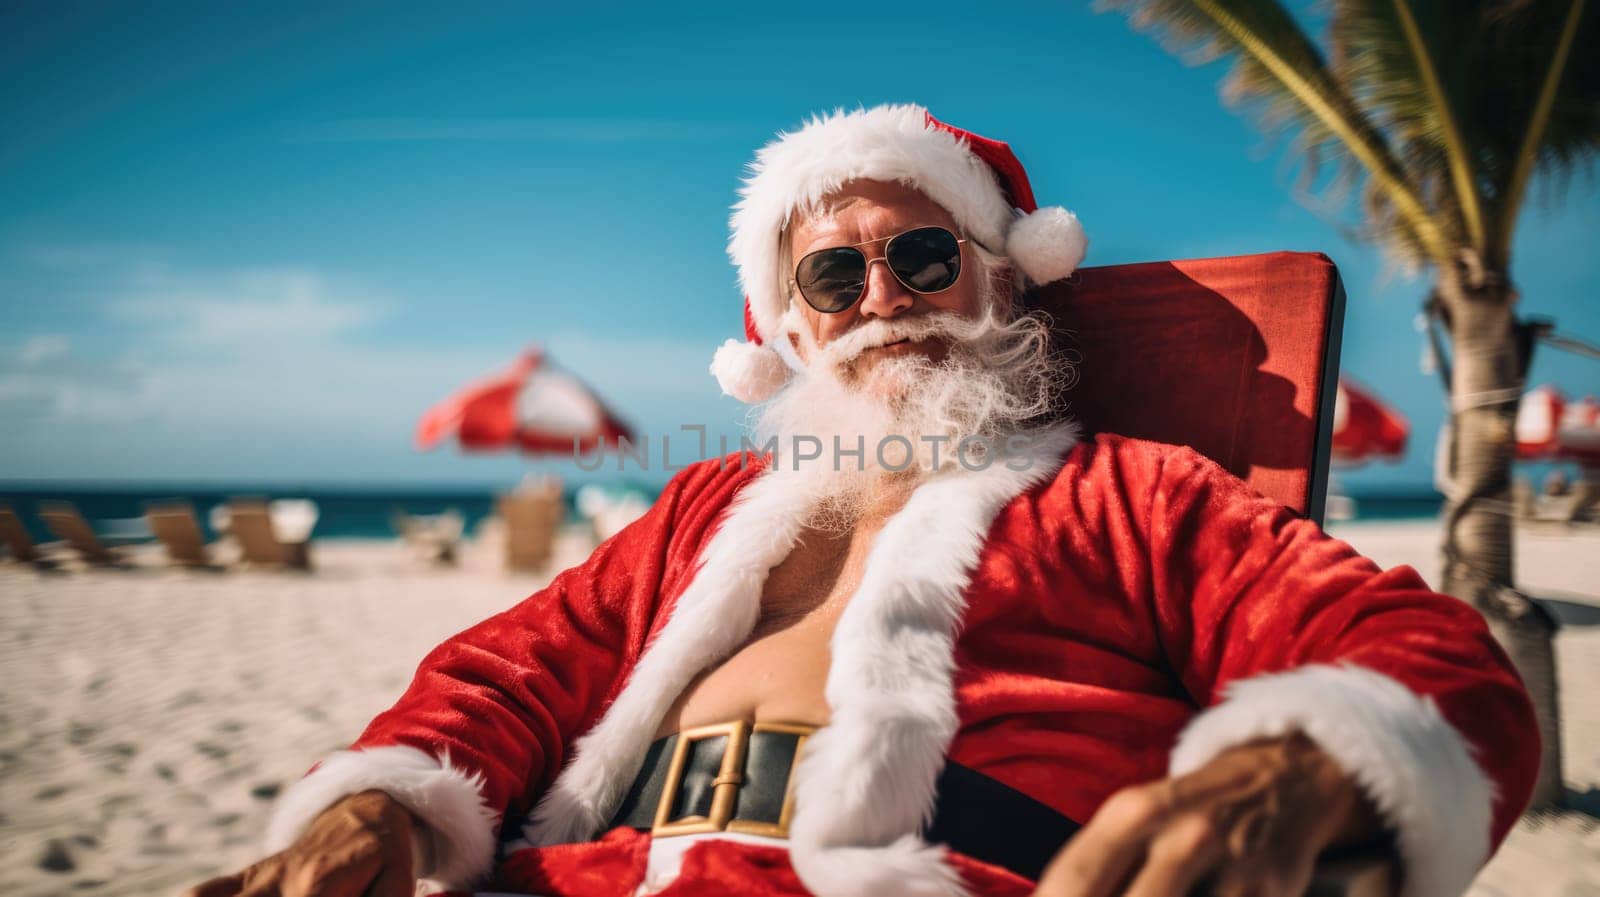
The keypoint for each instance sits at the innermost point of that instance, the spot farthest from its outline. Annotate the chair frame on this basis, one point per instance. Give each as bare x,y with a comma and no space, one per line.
1322,451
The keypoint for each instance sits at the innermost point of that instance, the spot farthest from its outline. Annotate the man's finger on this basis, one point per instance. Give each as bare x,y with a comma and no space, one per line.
1102,855
393,881
1178,857
1261,879
221,886
266,887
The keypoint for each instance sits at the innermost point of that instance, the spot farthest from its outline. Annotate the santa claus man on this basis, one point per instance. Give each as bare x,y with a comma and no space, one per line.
960,650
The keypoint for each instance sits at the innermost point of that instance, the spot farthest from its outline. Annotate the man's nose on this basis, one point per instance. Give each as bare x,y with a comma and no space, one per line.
885,295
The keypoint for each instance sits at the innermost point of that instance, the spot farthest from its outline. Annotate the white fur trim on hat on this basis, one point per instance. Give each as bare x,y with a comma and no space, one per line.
748,372
1047,245
885,143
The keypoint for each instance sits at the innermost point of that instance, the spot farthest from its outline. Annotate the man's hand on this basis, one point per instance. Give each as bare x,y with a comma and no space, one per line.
1251,822
359,847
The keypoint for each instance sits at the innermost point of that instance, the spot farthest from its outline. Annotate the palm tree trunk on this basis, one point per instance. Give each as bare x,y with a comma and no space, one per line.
1486,386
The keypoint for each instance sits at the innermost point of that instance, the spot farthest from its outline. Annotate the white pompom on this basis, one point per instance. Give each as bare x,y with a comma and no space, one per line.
748,372
1047,245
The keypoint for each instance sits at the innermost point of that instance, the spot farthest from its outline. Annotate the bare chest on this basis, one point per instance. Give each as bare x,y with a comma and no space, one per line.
779,674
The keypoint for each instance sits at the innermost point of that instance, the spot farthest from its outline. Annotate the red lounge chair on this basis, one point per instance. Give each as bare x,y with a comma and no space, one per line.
1237,357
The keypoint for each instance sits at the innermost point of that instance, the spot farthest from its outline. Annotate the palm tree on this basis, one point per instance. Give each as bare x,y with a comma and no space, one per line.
1440,112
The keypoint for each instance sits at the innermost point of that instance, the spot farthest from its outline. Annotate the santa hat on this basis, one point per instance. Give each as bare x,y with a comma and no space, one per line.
978,181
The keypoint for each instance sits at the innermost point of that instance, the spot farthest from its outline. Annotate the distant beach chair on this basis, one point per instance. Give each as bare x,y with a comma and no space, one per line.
63,519
175,525
432,537
1585,507
16,539
275,534
610,512
532,515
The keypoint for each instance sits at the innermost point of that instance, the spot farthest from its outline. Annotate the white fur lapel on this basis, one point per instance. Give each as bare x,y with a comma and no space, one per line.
866,782
713,617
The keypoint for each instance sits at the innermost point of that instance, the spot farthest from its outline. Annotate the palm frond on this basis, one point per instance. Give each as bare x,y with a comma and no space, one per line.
1393,56
1283,74
1575,113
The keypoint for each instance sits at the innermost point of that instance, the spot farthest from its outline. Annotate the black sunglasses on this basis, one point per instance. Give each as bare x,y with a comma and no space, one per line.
925,260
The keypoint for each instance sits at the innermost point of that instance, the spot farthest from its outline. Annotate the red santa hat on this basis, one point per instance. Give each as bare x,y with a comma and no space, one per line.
978,181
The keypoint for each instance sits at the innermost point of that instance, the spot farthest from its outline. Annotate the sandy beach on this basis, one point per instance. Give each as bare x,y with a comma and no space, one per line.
149,717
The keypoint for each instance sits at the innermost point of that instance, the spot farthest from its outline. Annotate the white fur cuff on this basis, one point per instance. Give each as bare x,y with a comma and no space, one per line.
461,828
1411,762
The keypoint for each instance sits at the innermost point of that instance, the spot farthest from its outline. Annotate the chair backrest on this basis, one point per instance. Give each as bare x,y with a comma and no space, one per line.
250,525
1236,357
63,519
15,536
175,525
531,520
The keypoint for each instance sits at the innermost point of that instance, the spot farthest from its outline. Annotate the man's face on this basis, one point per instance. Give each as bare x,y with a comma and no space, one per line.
874,210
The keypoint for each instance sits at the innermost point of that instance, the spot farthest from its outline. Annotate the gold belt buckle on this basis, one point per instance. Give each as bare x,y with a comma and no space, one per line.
725,787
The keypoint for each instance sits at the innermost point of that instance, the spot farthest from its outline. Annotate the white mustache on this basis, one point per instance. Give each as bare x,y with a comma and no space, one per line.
877,333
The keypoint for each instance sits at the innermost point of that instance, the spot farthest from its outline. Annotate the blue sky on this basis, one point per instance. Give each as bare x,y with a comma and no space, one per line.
239,243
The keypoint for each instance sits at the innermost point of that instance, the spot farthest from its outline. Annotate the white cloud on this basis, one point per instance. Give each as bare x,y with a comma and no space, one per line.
246,309
41,348
43,380
261,373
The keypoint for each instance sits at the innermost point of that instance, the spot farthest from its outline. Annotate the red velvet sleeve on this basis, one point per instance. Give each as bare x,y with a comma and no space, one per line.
504,698
1244,589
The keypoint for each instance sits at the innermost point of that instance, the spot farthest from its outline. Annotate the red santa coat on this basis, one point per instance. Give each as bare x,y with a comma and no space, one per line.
1113,613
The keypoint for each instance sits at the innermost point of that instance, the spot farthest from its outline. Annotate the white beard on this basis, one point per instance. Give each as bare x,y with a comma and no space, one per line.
911,415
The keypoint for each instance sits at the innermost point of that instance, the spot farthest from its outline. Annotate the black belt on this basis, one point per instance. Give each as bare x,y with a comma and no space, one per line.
736,777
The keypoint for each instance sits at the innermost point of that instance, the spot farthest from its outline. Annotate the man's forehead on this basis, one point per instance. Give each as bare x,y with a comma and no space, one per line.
869,203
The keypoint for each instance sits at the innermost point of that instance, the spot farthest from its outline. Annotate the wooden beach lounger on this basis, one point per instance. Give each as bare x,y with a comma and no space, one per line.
175,525
250,523
63,519
435,538
531,519
16,539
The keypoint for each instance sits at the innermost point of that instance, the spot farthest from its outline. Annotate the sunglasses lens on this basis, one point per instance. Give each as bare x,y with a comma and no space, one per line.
831,280
927,259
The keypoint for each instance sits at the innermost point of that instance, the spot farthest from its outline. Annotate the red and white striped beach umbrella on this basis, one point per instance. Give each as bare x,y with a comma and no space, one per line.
1578,436
529,407
1538,417
1364,428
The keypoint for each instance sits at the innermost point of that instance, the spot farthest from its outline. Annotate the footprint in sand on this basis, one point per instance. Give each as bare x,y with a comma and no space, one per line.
79,734
52,792
56,858
266,791
185,699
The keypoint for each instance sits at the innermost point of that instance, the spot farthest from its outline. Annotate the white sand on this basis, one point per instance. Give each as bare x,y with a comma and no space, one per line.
147,716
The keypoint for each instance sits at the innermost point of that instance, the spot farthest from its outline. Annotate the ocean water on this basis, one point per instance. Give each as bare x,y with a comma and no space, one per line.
342,514
358,513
